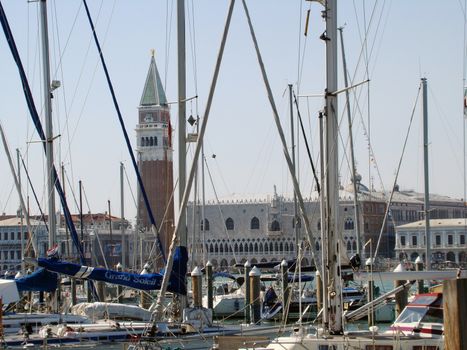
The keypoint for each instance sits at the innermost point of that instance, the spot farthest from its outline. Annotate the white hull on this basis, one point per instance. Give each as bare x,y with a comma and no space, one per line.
365,341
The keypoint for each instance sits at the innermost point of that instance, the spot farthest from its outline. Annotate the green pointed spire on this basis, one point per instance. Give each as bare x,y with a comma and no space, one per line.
153,93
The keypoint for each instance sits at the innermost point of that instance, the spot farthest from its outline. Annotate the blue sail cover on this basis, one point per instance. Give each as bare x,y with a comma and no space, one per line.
152,281
38,281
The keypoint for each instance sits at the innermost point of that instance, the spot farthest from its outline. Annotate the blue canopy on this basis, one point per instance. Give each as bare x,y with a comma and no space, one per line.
152,281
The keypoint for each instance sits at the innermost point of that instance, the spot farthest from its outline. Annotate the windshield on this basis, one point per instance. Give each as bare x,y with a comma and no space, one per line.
420,314
411,314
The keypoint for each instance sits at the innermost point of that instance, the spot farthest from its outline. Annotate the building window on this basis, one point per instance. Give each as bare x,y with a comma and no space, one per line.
450,240
12,254
402,240
229,224
18,234
254,224
438,240
12,235
205,226
318,225
414,241
5,236
275,226
348,224
462,239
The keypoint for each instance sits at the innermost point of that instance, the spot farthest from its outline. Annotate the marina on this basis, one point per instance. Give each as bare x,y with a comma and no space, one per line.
335,258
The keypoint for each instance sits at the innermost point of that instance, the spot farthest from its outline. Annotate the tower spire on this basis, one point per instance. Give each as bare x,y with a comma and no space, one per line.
153,92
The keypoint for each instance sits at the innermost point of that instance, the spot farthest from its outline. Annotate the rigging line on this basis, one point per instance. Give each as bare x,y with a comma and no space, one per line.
88,90
447,128
192,32
301,65
37,123
388,204
168,36
166,212
60,66
34,192
130,188
8,198
125,134
224,226
299,46
306,144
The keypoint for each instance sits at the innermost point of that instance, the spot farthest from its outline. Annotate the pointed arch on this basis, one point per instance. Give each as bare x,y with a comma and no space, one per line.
229,224
254,224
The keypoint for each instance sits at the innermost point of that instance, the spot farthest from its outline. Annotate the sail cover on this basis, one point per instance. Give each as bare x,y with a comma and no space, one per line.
38,281
151,281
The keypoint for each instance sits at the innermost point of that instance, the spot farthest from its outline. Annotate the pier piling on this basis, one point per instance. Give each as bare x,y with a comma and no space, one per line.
255,285
455,311
247,292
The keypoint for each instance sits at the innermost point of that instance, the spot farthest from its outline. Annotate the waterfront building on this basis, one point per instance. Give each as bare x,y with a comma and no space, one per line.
448,241
12,232
261,229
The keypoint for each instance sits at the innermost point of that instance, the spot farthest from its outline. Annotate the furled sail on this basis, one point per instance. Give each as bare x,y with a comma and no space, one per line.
151,281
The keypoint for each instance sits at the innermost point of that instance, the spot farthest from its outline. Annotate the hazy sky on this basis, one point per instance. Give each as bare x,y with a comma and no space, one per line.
405,40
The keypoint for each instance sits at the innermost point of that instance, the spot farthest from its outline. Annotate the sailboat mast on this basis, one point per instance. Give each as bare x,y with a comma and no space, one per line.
292,145
122,216
181,125
352,154
48,123
425,167
331,162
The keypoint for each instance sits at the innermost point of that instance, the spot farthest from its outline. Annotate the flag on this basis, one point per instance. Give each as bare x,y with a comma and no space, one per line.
170,133
53,252
465,102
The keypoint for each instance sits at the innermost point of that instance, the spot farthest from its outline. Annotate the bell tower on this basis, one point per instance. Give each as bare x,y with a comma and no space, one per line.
154,148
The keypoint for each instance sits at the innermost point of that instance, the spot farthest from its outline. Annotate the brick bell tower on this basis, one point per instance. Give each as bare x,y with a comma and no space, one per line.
154,148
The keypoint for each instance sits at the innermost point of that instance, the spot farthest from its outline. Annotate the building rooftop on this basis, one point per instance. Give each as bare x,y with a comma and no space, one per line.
436,223
15,221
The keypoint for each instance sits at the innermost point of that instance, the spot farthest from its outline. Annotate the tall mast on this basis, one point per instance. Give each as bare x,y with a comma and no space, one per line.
426,178
48,123
331,163
292,141
181,112
352,155
181,125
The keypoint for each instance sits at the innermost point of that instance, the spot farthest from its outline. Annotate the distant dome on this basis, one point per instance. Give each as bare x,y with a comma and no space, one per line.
360,187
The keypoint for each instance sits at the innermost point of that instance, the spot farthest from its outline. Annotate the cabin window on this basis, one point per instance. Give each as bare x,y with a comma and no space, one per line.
254,224
229,224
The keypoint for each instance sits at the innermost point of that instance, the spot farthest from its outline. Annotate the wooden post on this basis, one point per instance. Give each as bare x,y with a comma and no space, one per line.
74,300
419,267
145,302
455,314
319,292
210,285
255,284
285,288
401,297
197,287
119,287
371,284
101,290
247,292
